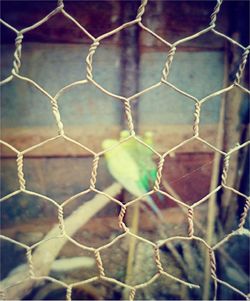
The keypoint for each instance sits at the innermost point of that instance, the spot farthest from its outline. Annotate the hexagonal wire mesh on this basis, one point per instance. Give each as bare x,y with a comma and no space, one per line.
33,275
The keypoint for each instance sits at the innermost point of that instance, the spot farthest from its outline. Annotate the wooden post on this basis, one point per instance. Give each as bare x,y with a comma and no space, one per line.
44,255
129,84
229,133
212,205
129,58
232,122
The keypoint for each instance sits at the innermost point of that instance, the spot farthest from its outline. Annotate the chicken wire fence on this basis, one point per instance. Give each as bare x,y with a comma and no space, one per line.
33,272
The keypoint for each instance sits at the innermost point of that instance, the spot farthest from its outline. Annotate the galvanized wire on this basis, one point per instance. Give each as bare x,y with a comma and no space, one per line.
198,106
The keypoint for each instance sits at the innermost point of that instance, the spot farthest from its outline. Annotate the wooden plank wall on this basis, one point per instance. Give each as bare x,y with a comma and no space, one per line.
54,55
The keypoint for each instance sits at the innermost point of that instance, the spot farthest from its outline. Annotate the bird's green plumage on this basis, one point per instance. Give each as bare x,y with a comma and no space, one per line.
143,156
131,164
123,167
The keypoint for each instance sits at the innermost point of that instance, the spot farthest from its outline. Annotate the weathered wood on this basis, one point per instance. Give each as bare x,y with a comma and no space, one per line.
171,20
229,204
129,59
46,253
174,20
165,136
129,85
233,113
189,175
60,178
212,205
82,105
97,226
97,17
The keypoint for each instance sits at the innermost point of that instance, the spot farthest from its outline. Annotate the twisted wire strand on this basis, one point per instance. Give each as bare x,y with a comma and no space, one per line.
17,54
213,271
30,263
128,113
99,263
158,259
60,3
89,59
141,9
57,115
159,174
197,118
20,173
166,69
190,222
121,223
54,105
242,65
214,14
225,169
69,293
61,220
244,213
132,294
94,172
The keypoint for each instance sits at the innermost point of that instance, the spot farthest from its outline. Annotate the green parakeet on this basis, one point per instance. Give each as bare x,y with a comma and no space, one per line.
124,167
143,156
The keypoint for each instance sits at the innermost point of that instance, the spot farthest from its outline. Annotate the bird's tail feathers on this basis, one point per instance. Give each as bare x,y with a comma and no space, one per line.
154,207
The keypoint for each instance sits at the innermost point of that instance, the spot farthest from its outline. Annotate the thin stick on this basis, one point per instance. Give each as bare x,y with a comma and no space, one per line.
199,226
45,253
132,242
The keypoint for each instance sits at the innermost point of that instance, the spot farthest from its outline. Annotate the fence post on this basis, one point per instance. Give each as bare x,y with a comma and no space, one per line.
129,58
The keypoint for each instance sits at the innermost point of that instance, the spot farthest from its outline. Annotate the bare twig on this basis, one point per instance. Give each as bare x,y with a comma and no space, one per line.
45,253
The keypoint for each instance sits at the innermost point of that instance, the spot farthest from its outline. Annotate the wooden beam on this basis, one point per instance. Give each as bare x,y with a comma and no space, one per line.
44,255
166,137
212,205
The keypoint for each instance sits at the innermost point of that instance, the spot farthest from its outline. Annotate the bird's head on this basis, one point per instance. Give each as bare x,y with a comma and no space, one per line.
148,135
124,134
107,143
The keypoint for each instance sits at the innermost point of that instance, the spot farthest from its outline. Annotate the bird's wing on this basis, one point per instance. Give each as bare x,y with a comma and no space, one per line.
147,166
124,169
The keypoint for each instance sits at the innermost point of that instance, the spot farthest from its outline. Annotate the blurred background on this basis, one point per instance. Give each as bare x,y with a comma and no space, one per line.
53,55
